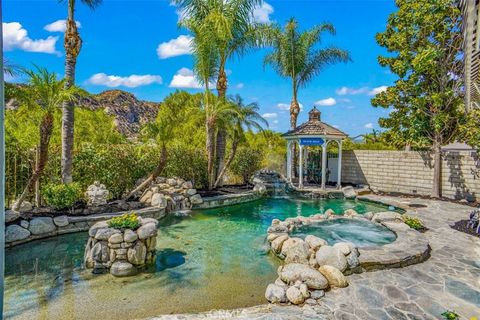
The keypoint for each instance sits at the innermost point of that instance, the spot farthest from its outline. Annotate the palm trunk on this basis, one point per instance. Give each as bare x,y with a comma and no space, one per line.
46,129
294,111
221,134
210,145
437,168
161,165
72,44
227,164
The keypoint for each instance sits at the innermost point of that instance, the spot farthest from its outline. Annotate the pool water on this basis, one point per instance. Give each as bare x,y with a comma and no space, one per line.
210,259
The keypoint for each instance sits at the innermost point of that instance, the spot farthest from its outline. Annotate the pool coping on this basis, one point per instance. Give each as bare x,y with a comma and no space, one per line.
228,200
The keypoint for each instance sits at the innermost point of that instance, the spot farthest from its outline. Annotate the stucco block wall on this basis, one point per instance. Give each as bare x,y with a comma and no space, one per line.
412,172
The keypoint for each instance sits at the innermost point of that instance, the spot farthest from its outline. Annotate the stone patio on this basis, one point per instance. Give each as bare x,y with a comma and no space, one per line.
449,280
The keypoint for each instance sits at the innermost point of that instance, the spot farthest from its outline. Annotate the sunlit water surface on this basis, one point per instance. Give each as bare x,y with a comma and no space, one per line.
212,259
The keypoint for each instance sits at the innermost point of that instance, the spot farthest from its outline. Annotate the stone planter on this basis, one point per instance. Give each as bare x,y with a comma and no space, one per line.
121,252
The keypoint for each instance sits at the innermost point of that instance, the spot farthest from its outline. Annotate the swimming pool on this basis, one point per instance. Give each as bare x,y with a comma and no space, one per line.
209,259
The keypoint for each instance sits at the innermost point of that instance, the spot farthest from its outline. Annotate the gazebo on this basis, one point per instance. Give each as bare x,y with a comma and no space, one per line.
314,132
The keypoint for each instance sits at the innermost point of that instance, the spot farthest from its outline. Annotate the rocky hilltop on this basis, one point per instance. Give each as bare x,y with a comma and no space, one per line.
129,112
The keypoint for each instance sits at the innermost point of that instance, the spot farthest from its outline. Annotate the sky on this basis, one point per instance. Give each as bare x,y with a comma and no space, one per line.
138,47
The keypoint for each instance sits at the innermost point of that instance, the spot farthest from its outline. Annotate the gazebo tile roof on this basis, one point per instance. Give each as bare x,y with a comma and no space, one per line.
315,127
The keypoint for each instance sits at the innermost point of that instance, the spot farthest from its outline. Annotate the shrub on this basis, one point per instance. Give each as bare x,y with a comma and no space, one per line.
450,315
61,196
413,223
126,221
246,162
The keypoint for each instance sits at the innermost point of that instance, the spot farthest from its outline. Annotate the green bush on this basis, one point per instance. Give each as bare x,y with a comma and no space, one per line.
450,315
413,223
126,221
61,196
246,162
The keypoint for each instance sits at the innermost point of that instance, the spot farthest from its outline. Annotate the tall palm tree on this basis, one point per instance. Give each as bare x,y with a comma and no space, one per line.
44,91
233,33
72,45
295,56
246,117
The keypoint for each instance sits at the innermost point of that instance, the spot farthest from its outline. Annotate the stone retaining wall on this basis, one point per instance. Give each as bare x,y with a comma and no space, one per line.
44,227
412,172
227,200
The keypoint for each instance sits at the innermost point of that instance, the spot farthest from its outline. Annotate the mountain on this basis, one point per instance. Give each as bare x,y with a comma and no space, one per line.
129,112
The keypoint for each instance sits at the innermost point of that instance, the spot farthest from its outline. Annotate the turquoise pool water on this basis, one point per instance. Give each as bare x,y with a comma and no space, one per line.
211,259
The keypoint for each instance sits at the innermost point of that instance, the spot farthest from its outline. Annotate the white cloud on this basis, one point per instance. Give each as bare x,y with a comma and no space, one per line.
175,47
377,90
262,13
59,26
185,79
16,37
350,91
336,126
240,85
269,115
369,125
286,107
326,102
132,81
345,100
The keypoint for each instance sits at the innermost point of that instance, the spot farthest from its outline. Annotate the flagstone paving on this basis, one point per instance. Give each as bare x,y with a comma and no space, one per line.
448,280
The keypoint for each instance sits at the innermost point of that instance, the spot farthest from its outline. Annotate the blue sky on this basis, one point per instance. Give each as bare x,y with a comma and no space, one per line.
137,46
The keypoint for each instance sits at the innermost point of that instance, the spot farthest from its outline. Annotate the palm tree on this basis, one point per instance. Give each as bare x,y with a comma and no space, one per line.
72,45
296,57
232,32
44,91
247,116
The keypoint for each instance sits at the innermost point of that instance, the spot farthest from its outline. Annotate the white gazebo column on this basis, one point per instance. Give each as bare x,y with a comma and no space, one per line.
300,170
324,163
339,169
289,160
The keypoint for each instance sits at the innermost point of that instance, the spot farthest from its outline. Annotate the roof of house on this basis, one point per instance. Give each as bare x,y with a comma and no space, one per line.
315,127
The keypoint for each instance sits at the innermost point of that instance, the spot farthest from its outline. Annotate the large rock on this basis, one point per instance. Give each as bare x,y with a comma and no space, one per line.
97,226
105,233
278,242
331,256
191,192
344,247
41,225
122,269
295,296
334,276
315,242
294,272
387,216
147,197
260,188
158,200
100,252
130,236
196,199
97,194
147,230
187,185
275,293
136,255
115,238
15,233
24,207
61,221
172,182
349,192
295,250
11,215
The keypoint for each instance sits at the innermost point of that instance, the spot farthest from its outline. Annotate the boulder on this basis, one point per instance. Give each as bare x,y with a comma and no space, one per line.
278,228
315,242
295,250
158,200
368,215
275,293
293,272
105,233
122,269
311,301
304,290
41,225
148,220
172,182
352,259
97,194
61,221
130,236
196,199
137,254
387,216
100,252
295,296
343,247
97,226
191,192
24,224
279,282
188,185
334,276
11,215
147,230
24,207
15,233
147,197
115,238
331,256
350,213
260,188
349,192
278,242
317,294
